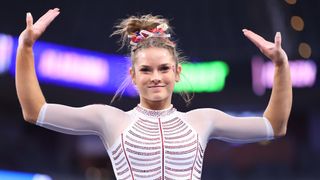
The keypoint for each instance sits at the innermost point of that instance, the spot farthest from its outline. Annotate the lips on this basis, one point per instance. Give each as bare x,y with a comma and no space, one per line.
155,86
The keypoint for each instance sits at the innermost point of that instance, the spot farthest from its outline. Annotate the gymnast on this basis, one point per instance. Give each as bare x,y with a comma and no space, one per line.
153,140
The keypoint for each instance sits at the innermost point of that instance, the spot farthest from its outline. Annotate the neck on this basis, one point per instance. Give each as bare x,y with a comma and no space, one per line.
155,105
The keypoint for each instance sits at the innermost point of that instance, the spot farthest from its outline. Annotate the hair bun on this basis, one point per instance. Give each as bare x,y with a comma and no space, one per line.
134,24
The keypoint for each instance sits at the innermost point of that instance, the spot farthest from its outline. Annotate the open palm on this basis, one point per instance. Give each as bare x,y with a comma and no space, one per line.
272,50
34,31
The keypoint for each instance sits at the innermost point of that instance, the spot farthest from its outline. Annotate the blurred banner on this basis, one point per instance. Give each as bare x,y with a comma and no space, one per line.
13,175
84,69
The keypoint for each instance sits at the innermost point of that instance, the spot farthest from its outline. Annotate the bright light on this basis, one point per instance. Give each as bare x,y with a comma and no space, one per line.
6,47
291,2
84,69
297,23
73,67
203,77
78,68
13,175
305,50
303,74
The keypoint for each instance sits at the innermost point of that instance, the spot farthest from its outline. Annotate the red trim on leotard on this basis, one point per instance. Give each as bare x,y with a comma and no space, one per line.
125,154
195,158
162,143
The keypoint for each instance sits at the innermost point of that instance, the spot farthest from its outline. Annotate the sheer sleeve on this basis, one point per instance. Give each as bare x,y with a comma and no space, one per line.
101,120
240,129
70,120
219,125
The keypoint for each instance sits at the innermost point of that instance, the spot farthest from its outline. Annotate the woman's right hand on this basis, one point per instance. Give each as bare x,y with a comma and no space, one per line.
33,31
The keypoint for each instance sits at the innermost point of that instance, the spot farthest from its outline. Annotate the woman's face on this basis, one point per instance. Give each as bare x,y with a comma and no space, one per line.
155,74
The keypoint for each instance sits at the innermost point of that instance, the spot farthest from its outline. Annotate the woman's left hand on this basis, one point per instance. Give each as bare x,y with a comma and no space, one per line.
272,50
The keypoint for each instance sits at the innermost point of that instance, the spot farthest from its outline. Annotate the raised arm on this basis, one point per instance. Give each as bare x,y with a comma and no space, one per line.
279,106
28,89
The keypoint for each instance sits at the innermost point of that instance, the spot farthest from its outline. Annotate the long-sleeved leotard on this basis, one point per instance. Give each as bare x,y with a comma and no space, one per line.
154,144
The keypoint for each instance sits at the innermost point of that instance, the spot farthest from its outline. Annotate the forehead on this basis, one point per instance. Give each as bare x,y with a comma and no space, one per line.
153,57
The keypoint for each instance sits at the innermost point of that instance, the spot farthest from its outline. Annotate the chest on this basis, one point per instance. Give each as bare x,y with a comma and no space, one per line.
156,148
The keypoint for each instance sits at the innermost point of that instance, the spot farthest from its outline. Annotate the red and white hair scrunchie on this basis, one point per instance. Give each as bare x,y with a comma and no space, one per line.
159,31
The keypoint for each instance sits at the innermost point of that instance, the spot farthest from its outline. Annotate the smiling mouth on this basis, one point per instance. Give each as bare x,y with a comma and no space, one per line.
154,86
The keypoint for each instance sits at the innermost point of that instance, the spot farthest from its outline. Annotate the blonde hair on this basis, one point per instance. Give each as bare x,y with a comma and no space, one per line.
133,25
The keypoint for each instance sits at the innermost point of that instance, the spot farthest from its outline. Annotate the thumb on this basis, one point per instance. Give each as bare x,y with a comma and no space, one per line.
277,40
29,20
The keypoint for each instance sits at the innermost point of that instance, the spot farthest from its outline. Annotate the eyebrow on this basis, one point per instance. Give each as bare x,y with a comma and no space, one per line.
146,66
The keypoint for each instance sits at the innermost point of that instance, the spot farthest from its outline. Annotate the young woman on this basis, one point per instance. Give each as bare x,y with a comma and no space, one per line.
153,140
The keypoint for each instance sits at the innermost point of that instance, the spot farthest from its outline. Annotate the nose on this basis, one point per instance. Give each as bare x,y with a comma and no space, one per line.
155,78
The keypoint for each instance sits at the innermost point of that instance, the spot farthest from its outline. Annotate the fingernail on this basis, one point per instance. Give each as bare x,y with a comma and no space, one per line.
278,34
28,14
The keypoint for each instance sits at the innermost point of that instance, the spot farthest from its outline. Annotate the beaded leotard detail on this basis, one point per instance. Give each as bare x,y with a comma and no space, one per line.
159,144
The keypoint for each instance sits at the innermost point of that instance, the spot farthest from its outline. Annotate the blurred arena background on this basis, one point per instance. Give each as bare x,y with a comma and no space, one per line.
206,31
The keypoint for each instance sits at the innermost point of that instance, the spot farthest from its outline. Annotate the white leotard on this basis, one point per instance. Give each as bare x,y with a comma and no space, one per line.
154,144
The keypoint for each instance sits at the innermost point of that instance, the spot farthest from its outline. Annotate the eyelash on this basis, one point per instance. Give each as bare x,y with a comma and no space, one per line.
145,70
162,69
165,68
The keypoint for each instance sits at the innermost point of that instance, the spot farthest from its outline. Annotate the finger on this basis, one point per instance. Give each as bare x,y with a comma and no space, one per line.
256,39
29,20
52,16
47,18
44,16
50,13
253,37
277,40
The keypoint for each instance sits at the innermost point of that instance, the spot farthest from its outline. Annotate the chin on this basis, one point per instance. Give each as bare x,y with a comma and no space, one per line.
157,98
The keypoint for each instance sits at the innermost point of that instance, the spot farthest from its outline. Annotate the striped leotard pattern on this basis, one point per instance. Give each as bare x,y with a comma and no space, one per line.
154,144
157,145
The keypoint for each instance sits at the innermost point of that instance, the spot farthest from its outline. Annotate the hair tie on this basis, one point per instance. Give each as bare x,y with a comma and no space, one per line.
159,31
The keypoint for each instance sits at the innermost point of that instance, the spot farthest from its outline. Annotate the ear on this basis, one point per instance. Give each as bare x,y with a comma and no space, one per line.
132,74
179,69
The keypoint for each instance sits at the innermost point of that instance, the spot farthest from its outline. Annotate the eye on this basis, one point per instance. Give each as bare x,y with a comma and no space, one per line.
145,70
164,68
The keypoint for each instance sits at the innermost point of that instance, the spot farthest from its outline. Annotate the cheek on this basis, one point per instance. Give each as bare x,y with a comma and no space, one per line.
170,77
170,81
141,79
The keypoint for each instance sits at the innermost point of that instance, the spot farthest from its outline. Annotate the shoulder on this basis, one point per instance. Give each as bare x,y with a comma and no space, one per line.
202,120
203,113
106,110
114,118
202,117
205,116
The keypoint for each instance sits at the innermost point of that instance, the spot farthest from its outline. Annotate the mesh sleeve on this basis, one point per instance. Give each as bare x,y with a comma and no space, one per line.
240,129
71,120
